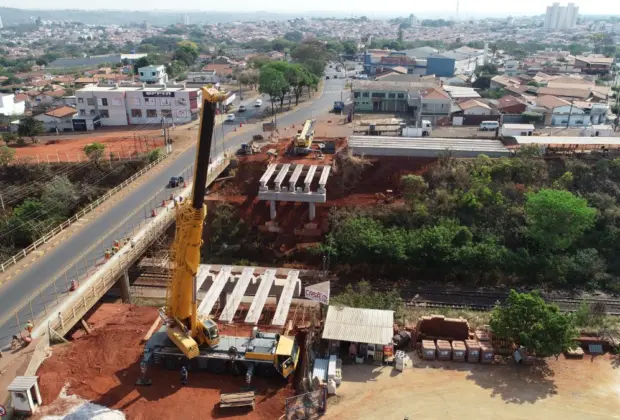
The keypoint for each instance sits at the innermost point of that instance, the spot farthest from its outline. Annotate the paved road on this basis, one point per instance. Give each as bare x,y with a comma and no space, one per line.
87,245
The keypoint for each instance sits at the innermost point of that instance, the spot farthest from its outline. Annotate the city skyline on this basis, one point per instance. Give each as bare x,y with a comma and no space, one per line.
467,8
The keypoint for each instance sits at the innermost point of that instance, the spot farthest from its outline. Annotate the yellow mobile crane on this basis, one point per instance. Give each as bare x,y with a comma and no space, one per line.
303,139
188,338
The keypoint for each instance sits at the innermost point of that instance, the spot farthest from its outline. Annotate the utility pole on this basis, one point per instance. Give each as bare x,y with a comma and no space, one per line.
570,112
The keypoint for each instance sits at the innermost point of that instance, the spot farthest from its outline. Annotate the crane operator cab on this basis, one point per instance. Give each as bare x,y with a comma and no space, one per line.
211,332
287,355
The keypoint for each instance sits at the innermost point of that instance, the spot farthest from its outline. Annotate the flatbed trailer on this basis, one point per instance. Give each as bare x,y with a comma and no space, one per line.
259,355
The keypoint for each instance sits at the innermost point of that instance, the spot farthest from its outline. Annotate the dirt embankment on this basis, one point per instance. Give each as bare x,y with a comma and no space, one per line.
103,367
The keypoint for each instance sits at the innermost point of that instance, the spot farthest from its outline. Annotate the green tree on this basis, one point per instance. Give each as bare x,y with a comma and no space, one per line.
30,220
556,219
526,319
29,127
272,82
350,47
94,151
249,78
362,296
61,195
6,155
143,62
414,187
294,36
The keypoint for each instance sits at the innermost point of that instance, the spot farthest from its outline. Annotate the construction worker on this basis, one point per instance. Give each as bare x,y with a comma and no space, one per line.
73,285
126,242
29,326
108,254
183,375
115,243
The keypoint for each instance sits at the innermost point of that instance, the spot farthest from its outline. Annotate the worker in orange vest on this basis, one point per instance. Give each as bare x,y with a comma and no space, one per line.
29,326
108,254
115,243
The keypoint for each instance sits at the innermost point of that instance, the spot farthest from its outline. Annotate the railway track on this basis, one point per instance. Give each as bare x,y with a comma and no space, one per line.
433,297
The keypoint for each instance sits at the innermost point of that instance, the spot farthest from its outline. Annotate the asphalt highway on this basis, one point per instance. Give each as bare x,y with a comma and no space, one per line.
69,259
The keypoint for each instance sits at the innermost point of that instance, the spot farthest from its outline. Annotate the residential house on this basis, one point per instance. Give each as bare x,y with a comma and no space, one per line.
221,70
474,107
593,64
153,75
509,104
511,67
559,112
571,93
57,119
381,96
81,82
457,80
501,82
435,103
9,106
48,98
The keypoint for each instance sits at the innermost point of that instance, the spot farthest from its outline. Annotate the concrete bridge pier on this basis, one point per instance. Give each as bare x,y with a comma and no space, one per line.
123,284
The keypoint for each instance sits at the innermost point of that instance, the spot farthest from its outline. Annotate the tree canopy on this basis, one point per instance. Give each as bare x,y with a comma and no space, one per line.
527,320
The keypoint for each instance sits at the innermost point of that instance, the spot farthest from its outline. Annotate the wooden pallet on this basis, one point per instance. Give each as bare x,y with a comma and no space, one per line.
237,399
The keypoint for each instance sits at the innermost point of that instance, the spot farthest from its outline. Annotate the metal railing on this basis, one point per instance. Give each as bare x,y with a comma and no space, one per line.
64,225
46,300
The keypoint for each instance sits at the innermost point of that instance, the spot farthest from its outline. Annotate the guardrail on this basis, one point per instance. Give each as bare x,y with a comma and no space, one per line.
40,306
64,225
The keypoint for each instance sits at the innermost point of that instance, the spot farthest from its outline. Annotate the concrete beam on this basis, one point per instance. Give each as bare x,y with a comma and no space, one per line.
214,291
258,303
201,276
284,303
293,180
235,297
264,180
297,197
323,179
281,175
309,177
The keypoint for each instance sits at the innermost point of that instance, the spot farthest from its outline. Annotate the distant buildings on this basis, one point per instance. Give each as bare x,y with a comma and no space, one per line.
1,25
561,17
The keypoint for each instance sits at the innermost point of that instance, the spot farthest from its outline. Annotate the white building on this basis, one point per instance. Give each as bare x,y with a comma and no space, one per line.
139,104
57,120
9,107
153,75
561,17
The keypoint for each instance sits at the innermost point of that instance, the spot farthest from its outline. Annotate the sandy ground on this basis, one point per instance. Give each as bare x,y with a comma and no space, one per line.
563,389
102,367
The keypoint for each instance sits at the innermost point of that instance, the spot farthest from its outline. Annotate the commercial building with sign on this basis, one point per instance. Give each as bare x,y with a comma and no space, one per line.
126,105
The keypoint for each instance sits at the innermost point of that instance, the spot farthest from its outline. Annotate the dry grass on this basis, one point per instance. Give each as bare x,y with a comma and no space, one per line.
474,318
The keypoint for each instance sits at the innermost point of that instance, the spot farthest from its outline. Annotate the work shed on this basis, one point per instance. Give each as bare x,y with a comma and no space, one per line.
358,332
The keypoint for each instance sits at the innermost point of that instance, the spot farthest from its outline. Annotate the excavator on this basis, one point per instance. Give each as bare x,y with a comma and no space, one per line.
188,338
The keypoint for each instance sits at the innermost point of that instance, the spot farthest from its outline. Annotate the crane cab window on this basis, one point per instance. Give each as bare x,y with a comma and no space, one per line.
211,328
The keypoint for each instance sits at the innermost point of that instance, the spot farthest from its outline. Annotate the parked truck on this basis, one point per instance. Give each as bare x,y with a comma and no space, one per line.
511,130
338,106
424,130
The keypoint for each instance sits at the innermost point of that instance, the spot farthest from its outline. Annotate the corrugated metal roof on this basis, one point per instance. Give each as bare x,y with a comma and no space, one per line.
22,383
567,140
320,369
373,326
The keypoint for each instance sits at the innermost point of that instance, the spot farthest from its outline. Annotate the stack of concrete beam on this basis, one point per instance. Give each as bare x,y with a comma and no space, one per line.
473,351
459,351
428,350
444,350
487,354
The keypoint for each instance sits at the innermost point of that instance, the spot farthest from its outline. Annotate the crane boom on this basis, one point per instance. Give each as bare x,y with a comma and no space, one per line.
181,302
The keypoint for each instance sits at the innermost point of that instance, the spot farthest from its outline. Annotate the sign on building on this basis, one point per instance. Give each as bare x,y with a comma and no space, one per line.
158,94
318,292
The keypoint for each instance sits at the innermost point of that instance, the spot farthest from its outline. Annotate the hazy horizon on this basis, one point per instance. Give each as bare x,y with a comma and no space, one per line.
323,8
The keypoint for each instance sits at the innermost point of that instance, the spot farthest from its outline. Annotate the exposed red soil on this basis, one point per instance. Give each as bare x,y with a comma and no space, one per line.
103,367
72,149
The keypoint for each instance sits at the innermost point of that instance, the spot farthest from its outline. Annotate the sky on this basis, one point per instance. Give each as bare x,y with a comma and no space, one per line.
468,8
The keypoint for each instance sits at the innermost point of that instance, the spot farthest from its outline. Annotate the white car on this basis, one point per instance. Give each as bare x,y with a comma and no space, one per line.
258,103
230,118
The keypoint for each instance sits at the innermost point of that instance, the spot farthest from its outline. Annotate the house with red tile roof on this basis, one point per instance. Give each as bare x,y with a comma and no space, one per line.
57,119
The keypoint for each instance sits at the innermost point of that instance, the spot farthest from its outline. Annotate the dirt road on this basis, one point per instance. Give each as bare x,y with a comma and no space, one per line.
563,389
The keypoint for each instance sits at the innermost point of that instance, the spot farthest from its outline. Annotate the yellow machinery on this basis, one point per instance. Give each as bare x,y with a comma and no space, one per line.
303,139
186,335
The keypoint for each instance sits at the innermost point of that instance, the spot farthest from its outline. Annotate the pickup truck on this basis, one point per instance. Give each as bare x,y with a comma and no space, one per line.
338,106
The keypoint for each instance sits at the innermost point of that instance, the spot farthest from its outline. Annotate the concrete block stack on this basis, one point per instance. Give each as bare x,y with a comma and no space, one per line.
487,354
444,350
473,351
428,350
459,351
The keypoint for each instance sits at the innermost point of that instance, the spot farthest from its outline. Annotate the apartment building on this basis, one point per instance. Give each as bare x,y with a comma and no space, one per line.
139,104
561,17
153,75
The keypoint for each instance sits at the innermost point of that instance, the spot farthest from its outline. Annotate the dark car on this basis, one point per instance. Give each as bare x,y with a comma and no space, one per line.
175,181
241,108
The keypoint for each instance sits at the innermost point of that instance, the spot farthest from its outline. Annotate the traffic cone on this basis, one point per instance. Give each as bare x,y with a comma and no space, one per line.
153,213
240,124
73,285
